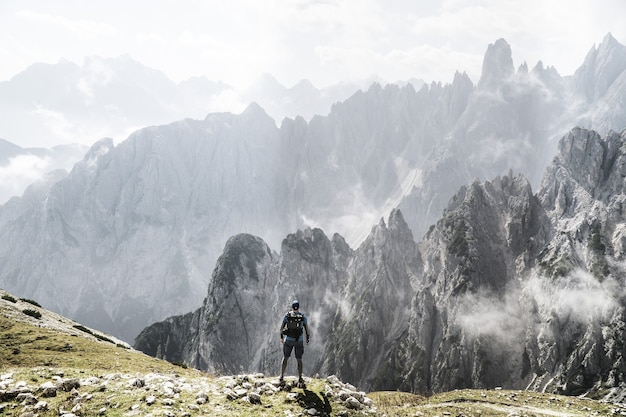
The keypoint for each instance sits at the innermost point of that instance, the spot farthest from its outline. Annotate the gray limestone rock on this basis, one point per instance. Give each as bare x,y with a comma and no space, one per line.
508,289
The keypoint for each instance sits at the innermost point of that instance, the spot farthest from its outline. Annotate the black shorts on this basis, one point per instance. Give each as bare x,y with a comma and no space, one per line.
290,344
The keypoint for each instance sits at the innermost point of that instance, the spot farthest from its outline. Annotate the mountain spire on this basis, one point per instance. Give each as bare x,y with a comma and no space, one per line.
497,64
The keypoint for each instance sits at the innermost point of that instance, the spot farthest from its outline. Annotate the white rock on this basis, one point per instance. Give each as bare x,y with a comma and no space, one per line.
254,398
41,406
291,397
353,403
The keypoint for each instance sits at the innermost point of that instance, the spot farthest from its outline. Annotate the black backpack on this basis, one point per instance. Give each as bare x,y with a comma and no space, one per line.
294,326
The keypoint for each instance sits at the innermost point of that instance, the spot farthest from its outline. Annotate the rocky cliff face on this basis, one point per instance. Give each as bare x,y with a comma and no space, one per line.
509,288
132,234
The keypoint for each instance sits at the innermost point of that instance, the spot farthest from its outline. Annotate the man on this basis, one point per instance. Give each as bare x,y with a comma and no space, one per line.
292,337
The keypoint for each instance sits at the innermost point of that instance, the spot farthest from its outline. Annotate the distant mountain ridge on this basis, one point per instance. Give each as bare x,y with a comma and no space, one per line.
112,97
132,234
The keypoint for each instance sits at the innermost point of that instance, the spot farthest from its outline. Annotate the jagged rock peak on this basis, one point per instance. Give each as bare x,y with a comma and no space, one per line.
310,245
99,148
587,161
462,82
398,226
589,158
241,255
602,66
497,64
523,68
253,109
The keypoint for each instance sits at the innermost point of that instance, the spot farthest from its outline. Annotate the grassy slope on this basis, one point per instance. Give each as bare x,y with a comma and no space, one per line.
38,351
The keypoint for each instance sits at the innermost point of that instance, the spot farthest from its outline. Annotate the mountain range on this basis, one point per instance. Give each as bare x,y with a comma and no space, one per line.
509,288
130,236
76,105
111,97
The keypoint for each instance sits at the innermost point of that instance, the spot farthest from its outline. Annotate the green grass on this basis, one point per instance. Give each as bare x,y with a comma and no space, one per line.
490,403
36,354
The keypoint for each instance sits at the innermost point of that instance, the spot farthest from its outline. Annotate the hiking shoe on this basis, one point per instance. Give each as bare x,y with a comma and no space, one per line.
281,382
301,383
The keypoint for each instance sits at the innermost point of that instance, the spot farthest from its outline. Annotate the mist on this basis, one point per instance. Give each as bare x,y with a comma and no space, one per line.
577,298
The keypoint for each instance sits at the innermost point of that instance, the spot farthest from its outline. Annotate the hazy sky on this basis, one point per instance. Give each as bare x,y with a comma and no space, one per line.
324,41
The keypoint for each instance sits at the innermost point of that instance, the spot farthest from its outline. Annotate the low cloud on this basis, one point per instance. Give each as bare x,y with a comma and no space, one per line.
19,173
579,297
483,314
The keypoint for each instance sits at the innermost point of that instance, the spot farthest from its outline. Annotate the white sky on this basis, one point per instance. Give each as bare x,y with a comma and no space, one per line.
324,41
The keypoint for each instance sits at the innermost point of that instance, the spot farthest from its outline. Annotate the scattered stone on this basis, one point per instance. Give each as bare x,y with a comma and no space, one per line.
68,384
41,406
291,397
27,399
8,395
353,403
254,398
94,380
48,390
137,383
230,394
168,390
202,398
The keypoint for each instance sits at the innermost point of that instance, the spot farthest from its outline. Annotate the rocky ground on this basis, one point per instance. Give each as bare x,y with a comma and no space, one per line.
50,392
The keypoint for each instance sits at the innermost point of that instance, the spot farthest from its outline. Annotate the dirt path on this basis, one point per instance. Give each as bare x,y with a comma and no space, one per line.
512,410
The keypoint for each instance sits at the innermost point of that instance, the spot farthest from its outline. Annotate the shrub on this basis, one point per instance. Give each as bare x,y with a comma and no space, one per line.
103,338
33,313
96,335
82,328
182,365
35,303
9,298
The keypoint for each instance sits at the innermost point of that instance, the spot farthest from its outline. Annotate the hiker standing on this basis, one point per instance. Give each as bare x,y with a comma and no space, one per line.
292,337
